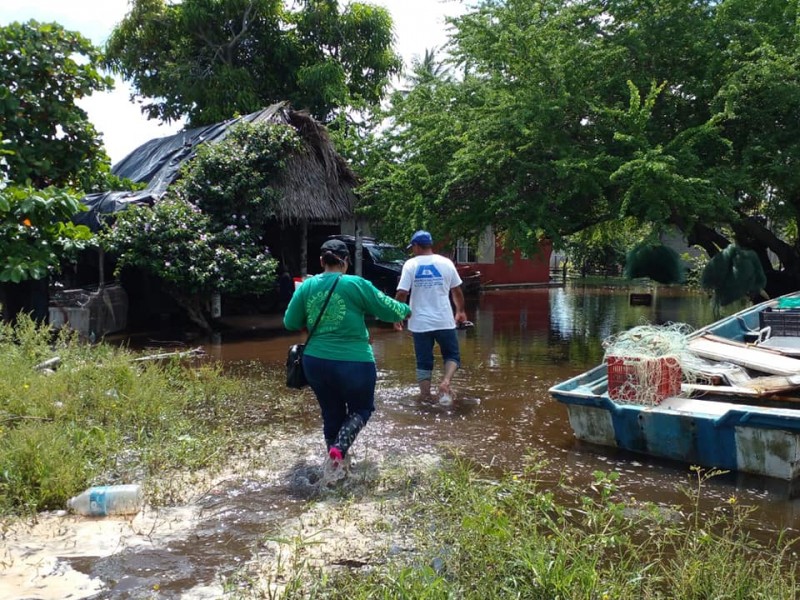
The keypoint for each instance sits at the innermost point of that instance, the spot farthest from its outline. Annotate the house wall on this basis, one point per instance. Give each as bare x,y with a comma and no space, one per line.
507,267
515,268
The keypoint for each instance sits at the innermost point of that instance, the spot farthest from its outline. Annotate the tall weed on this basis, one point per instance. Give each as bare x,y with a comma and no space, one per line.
101,417
515,538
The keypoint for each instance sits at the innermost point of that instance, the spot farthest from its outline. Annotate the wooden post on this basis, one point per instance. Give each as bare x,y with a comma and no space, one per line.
303,248
358,259
102,268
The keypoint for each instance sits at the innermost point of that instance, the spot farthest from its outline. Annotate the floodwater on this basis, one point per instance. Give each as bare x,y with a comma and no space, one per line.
523,341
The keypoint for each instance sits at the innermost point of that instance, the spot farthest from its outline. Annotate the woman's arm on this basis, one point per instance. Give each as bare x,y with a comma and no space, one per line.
382,306
295,317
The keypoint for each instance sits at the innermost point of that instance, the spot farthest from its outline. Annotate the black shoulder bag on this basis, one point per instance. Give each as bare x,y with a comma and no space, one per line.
295,376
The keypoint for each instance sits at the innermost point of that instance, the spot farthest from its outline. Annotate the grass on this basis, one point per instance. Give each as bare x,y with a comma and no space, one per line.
100,417
512,538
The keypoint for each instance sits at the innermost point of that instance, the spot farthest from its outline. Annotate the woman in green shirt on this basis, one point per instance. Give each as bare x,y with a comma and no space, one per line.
338,360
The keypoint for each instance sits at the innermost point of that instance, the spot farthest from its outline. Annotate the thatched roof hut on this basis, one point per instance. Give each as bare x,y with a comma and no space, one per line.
317,184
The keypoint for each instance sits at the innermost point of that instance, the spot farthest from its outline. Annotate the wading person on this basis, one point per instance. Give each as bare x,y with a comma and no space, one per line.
338,360
431,280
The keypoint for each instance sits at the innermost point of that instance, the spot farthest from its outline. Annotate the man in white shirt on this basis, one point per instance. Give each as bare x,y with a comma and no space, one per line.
431,279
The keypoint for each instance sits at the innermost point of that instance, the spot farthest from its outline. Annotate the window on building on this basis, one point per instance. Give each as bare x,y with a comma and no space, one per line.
482,252
464,253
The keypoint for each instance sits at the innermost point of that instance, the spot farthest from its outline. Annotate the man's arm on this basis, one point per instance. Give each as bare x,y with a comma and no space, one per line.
400,296
458,300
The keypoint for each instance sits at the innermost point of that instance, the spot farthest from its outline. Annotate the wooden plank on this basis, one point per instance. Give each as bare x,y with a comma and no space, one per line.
757,386
773,384
727,390
717,373
790,346
760,359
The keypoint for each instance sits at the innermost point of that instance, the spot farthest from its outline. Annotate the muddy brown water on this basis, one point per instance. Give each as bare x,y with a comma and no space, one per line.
523,342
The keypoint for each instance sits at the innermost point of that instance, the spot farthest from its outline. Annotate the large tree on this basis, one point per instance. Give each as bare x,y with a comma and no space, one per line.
44,70
560,115
207,60
51,154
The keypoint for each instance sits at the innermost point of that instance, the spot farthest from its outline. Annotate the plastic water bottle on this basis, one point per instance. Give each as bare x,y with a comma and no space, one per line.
108,500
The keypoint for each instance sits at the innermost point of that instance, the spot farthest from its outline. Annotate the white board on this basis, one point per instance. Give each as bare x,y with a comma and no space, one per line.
760,359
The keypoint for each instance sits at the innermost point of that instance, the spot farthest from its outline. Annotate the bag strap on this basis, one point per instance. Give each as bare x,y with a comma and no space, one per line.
324,306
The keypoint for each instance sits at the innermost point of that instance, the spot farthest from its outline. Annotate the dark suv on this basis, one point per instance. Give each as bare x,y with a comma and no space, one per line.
381,263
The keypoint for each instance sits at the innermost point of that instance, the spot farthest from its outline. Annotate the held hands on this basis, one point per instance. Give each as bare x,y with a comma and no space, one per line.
398,326
461,316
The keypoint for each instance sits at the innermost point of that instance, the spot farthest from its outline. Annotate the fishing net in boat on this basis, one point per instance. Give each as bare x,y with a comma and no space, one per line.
733,274
656,261
648,363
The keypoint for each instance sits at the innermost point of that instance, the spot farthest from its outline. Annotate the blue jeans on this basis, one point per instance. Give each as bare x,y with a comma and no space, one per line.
423,349
342,387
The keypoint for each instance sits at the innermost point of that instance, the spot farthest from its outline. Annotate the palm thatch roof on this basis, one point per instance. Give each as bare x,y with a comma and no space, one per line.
317,183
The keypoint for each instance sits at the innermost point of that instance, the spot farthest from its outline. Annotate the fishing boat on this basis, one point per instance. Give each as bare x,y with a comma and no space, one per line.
739,410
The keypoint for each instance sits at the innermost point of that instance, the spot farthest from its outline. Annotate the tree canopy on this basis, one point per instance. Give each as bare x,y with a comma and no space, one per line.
44,70
49,151
555,116
208,60
36,233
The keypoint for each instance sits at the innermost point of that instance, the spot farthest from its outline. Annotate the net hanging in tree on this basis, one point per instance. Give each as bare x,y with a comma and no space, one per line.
733,274
656,261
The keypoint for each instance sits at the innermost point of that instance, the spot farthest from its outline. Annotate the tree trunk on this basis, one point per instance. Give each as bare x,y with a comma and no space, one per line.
193,305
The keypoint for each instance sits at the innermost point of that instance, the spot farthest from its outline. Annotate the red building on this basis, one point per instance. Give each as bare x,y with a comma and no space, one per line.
499,267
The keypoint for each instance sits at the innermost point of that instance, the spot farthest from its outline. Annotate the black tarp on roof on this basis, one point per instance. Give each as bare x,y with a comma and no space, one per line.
328,183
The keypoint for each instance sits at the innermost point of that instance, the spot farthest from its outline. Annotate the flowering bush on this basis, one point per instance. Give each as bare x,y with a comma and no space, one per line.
233,181
175,241
206,235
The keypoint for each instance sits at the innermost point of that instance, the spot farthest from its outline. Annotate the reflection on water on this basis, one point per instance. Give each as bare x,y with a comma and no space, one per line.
523,342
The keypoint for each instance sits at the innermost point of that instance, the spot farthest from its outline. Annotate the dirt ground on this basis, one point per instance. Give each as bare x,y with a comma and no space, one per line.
352,522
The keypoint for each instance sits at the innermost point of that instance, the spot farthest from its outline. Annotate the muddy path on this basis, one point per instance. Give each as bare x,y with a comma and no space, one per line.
236,532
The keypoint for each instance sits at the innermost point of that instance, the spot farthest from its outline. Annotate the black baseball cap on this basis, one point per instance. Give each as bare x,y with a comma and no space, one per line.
336,247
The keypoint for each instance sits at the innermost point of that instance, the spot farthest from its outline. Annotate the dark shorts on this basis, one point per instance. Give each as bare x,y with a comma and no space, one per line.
423,348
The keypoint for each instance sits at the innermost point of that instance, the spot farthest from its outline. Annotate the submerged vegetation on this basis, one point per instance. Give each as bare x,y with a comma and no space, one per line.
101,417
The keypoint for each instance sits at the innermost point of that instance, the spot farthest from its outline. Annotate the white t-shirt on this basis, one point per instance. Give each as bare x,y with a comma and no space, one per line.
429,278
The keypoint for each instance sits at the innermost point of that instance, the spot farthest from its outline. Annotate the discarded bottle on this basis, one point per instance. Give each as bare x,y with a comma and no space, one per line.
108,500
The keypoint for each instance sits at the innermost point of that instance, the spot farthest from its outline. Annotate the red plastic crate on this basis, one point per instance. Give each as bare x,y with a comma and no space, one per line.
624,384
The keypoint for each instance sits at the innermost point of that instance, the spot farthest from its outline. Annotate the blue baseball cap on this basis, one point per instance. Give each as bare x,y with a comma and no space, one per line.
421,237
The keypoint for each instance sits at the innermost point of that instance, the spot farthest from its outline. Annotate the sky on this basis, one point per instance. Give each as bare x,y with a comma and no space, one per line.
419,25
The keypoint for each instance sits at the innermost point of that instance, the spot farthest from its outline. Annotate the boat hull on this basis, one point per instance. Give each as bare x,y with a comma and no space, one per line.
740,434
740,439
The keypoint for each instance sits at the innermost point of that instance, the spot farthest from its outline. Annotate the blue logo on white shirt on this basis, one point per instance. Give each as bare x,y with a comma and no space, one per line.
427,272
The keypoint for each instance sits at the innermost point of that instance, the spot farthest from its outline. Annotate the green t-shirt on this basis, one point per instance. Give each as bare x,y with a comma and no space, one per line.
341,333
